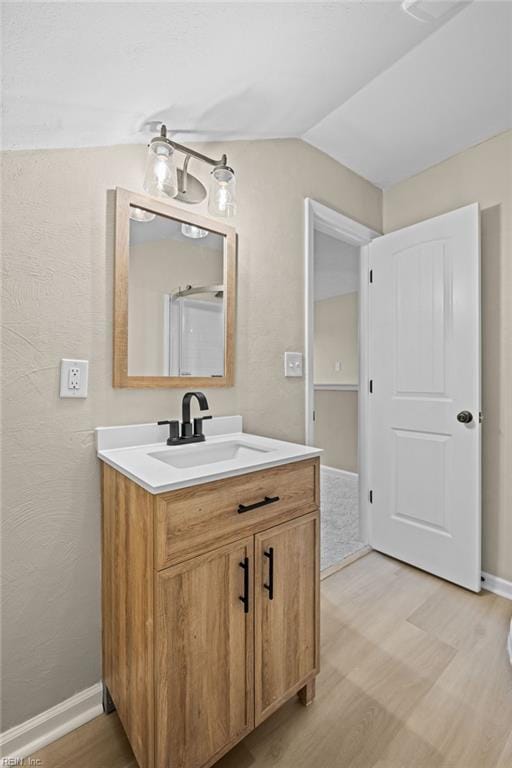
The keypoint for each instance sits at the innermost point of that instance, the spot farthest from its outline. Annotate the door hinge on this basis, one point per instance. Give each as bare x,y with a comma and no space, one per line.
314,415
370,497
371,275
371,386
480,417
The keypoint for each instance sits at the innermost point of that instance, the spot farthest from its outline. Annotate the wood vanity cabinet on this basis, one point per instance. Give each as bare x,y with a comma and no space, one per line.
210,608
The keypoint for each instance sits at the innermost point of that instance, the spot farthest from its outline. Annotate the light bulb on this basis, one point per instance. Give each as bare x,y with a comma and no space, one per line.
222,197
161,177
222,192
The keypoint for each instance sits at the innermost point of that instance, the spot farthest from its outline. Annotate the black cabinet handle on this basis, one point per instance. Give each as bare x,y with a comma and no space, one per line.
270,586
248,507
245,597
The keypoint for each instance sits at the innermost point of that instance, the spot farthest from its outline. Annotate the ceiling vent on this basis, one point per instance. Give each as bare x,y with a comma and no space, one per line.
428,11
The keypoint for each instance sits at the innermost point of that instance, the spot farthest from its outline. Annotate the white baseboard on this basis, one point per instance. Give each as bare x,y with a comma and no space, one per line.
337,471
26,738
495,584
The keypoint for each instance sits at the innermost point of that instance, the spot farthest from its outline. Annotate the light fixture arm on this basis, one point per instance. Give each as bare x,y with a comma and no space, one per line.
187,151
184,175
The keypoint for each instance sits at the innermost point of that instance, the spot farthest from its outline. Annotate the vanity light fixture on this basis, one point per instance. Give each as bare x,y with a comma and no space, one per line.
164,179
196,233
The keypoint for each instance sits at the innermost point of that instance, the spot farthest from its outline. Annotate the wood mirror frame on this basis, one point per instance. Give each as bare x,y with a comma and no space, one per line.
121,378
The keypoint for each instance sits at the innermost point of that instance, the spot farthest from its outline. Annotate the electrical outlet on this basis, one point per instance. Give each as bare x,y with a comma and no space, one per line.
74,375
74,378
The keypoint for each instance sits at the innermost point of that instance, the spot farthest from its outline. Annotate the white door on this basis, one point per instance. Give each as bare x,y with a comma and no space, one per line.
425,463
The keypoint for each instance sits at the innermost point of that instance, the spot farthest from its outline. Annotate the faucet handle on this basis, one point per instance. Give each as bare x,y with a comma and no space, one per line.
174,430
198,424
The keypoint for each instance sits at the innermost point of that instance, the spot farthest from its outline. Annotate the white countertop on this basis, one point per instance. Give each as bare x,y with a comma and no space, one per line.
131,450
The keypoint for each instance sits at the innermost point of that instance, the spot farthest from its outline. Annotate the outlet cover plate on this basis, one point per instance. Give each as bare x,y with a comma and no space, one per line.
66,367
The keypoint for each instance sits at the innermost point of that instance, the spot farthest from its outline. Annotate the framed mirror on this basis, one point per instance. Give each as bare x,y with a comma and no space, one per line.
174,296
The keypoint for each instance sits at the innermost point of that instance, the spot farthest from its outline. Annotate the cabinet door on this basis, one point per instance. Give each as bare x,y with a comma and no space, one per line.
204,656
286,617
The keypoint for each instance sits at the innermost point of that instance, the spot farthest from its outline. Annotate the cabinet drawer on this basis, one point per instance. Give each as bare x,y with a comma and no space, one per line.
201,518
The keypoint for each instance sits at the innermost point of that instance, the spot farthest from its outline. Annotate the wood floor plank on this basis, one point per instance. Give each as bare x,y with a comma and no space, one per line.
373,600
467,714
505,760
360,707
459,617
414,674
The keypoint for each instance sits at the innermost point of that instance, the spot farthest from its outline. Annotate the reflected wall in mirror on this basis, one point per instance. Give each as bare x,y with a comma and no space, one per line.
175,300
174,296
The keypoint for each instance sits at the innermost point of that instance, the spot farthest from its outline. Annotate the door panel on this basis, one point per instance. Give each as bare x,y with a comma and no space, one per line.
420,277
286,622
425,369
204,669
420,497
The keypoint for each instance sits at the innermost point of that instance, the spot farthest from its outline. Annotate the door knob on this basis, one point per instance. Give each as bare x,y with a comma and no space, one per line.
465,417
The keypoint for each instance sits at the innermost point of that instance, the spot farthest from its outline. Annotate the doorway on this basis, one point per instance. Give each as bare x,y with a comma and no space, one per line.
336,375
419,407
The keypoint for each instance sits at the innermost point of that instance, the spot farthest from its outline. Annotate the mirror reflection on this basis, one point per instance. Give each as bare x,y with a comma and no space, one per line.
176,302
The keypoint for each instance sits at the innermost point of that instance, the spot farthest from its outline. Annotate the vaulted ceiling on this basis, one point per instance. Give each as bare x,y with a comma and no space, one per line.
381,92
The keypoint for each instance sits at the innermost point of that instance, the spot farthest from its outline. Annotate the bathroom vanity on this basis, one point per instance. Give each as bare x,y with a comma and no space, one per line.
210,586
210,546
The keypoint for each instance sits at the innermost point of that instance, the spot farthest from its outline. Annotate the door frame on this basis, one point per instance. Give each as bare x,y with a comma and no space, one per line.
320,217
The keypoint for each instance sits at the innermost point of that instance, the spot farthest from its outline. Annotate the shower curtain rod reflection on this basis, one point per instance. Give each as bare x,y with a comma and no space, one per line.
190,290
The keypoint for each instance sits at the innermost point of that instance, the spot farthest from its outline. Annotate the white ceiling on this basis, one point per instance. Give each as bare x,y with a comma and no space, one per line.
336,267
381,92
450,92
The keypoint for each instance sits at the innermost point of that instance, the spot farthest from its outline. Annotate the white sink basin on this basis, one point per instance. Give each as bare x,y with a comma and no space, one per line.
139,452
200,454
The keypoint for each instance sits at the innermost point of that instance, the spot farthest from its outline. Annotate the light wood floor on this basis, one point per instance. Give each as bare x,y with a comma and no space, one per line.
414,675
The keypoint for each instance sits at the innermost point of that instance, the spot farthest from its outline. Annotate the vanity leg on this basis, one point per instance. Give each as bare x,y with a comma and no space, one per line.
307,694
108,704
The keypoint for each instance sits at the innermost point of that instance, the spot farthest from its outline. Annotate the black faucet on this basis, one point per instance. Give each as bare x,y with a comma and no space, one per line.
187,434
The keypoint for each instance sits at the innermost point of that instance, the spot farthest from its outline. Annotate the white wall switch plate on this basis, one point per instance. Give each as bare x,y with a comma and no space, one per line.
293,363
74,378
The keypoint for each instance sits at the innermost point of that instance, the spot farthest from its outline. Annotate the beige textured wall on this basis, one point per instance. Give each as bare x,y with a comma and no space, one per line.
157,268
336,417
336,425
482,174
336,339
58,217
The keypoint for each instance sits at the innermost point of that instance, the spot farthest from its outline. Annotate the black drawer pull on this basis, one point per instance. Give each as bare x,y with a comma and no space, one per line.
245,597
270,586
248,507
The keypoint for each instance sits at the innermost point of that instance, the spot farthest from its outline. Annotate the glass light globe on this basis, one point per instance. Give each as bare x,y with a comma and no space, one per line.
161,178
189,230
139,214
222,200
